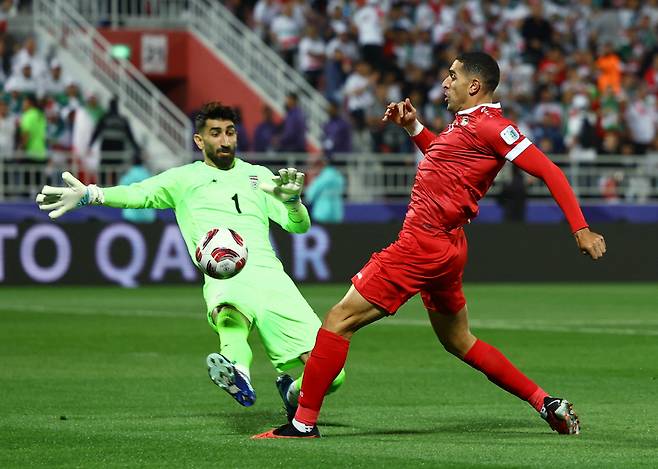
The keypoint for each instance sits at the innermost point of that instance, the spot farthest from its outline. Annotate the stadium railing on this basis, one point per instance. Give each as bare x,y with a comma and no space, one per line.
65,27
370,177
232,40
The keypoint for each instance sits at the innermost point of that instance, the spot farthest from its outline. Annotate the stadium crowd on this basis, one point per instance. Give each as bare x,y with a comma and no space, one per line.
580,77
48,120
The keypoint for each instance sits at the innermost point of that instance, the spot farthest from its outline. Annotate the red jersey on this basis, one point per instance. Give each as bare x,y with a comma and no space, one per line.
460,165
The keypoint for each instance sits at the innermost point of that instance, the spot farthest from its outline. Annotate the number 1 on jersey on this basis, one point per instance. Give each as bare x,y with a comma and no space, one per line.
237,204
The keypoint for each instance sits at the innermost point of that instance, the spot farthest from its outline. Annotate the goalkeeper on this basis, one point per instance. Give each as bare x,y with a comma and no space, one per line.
223,190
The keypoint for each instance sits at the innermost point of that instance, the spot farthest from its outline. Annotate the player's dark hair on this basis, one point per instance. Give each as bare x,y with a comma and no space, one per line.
213,110
483,66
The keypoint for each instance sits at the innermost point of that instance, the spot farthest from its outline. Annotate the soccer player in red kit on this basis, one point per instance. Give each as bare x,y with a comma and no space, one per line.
429,255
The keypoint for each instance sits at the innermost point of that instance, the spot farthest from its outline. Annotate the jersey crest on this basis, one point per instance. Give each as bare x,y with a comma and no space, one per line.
253,180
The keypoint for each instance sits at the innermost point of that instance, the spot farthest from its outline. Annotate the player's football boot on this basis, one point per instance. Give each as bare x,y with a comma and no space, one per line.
288,431
225,375
283,383
560,415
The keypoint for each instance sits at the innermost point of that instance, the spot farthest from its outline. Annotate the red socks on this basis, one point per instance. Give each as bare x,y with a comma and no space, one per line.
330,352
499,370
326,360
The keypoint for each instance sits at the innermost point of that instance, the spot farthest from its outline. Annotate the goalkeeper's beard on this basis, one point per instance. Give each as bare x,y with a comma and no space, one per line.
221,160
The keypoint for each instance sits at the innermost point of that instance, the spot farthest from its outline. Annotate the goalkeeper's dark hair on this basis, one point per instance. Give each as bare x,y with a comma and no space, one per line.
214,110
482,66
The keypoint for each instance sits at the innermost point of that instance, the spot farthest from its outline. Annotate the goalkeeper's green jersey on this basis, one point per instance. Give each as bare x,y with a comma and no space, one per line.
204,197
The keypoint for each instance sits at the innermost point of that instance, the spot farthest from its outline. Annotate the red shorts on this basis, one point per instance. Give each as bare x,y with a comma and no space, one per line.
417,262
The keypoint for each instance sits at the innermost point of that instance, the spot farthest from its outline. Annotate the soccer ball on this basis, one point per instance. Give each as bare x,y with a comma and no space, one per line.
221,253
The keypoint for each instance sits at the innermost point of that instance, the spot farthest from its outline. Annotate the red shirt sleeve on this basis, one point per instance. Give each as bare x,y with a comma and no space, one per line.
423,139
534,161
504,138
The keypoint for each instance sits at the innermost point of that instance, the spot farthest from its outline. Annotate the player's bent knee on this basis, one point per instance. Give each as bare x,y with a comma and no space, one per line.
458,344
339,320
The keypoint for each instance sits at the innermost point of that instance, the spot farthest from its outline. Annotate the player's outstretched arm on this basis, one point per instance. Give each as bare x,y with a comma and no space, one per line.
59,200
286,188
405,115
535,162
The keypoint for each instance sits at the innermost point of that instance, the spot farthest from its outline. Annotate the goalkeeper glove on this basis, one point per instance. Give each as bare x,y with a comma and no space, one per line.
287,188
60,200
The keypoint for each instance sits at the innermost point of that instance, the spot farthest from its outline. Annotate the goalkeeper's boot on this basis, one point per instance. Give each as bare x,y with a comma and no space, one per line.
560,415
288,431
224,374
283,383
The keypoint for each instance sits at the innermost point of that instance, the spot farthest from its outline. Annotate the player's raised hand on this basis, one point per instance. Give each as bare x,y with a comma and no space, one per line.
402,113
59,200
287,186
590,243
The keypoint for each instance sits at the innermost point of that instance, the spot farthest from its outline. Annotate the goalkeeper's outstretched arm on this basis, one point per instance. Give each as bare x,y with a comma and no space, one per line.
153,192
286,188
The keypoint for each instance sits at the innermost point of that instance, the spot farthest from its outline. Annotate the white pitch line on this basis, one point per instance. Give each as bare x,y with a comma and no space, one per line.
582,327
534,326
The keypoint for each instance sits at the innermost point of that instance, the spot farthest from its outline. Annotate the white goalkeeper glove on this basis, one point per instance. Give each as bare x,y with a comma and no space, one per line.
60,200
287,188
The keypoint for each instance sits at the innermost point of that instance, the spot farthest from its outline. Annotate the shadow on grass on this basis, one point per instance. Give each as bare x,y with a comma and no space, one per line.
489,427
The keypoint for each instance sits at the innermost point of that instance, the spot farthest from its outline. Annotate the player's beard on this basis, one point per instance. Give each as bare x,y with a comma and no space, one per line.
221,160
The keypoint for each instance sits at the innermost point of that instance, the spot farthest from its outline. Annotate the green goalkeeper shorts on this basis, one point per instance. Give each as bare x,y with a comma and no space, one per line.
270,300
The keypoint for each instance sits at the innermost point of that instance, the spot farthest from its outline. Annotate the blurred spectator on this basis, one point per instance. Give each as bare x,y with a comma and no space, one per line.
33,142
325,192
609,185
244,141
7,10
5,60
422,54
138,172
537,33
72,96
369,23
548,105
55,83
548,135
293,130
337,132
265,131
33,130
358,91
581,138
341,53
8,127
264,13
609,68
28,54
285,32
86,156
23,80
59,135
641,119
117,141
343,42
311,55
335,11
651,74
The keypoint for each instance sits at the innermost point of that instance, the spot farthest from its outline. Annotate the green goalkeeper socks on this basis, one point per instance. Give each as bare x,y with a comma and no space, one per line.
233,329
293,391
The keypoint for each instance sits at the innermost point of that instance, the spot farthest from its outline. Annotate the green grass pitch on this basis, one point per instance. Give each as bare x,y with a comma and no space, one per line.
104,377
